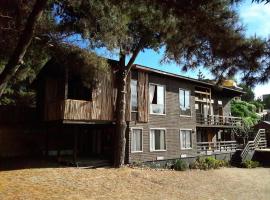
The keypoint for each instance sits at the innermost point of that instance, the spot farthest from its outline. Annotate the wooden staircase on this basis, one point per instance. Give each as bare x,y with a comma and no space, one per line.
259,142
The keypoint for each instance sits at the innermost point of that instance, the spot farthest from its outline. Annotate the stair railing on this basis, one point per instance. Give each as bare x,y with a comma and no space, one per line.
252,145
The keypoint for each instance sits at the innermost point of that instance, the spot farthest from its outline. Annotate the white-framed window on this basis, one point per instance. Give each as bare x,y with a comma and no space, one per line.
157,99
157,139
184,102
136,140
134,95
186,138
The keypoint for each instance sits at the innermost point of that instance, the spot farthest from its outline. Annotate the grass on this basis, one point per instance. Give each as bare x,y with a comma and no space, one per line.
127,183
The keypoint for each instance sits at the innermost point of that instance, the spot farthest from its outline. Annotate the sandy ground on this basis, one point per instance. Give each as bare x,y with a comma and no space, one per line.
127,183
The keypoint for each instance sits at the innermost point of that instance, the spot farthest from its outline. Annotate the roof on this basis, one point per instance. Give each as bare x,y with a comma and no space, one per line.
148,69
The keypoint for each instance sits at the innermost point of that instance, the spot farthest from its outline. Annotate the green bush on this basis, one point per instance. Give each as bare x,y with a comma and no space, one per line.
250,164
208,163
180,165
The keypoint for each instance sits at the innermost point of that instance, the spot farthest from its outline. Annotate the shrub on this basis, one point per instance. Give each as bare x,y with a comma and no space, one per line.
180,165
250,164
208,163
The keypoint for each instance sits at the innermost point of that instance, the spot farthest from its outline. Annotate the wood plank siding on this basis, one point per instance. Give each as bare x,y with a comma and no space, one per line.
143,94
171,121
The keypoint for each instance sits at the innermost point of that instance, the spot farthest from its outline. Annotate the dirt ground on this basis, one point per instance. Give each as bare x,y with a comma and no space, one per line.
127,183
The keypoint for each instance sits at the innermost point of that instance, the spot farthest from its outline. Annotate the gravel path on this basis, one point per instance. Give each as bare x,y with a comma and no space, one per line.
127,183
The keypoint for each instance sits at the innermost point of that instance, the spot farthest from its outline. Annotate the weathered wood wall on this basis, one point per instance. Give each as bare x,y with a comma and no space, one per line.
101,107
143,104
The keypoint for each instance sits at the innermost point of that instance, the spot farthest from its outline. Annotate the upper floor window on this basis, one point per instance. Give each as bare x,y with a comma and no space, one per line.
184,100
157,99
134,96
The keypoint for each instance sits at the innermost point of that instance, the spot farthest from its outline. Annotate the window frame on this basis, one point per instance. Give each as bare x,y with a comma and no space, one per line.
180,137
135,111
181,115
165,140
136,128
164,87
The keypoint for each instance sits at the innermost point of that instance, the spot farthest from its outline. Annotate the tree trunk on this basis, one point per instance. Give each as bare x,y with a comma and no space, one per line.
25,39
121,125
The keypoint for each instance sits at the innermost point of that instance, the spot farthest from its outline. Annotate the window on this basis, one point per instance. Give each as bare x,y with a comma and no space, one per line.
77,90
134,96
185,139
157,99
184,100
136,140
157,140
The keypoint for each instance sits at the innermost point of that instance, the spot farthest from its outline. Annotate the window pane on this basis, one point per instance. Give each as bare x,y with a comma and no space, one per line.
134,95
187,98
159,140
156,99
185,139
136,143
160,95
182,99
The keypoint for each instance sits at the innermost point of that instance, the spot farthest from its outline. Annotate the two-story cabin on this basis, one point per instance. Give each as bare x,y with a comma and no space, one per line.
169,116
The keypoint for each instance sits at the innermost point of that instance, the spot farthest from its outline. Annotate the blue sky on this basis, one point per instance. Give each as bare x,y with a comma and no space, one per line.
255,17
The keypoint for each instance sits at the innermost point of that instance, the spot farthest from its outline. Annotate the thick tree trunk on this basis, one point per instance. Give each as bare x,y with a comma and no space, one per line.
25,39
121,125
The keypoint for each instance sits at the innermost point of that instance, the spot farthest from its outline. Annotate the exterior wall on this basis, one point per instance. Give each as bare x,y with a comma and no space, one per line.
226,102
171,121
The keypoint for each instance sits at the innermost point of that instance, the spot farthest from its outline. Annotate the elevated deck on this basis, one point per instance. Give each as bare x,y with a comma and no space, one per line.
218,121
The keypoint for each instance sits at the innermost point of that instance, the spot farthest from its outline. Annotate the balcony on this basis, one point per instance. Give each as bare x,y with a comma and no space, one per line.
218,121
209,148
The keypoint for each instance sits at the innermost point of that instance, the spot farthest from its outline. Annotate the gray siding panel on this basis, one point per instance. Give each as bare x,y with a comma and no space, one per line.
171,121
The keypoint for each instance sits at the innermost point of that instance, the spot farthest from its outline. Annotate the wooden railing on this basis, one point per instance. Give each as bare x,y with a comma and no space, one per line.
258,142
216,146
218,120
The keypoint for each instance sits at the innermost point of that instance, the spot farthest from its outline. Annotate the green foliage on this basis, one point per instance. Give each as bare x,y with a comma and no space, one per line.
209,163
82,63
259,105
250,164
245,110
249,96
180,165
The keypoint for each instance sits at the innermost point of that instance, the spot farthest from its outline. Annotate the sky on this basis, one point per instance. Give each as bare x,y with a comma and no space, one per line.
256,19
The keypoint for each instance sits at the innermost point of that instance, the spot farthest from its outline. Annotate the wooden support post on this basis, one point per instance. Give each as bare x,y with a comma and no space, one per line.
59,142
47,143
75,149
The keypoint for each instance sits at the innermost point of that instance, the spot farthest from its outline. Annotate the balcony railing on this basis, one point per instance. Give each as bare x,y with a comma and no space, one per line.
217,120
221,146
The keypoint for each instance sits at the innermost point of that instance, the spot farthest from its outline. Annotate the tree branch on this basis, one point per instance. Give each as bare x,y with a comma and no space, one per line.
24,42
134,55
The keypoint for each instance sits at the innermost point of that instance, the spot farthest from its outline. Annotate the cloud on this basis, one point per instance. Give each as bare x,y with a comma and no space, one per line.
256,18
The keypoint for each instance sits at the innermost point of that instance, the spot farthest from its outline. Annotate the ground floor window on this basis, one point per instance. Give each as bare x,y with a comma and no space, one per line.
136,140
185,139
157,140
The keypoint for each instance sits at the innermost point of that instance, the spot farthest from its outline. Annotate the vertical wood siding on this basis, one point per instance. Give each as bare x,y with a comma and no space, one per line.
143,110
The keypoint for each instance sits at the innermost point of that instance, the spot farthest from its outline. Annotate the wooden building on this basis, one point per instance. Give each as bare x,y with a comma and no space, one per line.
169,116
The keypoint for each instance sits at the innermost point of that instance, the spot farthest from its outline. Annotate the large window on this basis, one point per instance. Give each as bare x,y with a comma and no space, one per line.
136,140
184,100
77,90
157,140
134,96
186,139
157,99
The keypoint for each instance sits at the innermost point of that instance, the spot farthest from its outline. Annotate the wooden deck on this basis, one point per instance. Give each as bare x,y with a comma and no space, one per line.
218,121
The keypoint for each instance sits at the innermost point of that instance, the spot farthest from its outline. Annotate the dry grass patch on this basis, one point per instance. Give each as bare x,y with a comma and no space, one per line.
127,183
